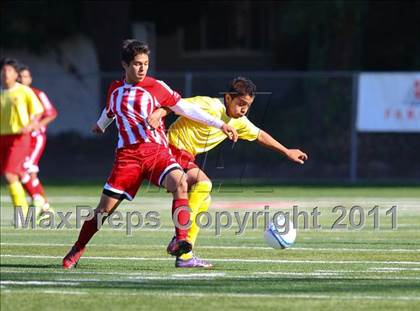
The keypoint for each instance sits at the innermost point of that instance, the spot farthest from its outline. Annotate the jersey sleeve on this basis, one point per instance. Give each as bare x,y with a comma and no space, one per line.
212,106
33,103
247,130
165,95
49,109
110,104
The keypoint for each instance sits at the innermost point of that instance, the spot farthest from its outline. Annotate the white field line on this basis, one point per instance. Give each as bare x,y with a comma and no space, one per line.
39,283
334,271
208,276
221,295
271,273
61,292
398,250
236,260
392,269
74,272
134,275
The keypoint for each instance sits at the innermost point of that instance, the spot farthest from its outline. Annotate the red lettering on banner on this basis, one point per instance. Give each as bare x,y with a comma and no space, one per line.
406,114
417,89
410,114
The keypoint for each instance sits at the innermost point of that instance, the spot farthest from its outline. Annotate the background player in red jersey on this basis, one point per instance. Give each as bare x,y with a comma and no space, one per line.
142,152
30,180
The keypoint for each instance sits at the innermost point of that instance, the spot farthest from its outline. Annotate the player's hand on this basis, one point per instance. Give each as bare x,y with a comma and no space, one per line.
97,130
296,155
230,132
154,119
33,126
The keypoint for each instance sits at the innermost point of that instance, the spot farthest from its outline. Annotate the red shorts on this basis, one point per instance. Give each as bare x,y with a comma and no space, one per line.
184,158
135,163
13,150
38,141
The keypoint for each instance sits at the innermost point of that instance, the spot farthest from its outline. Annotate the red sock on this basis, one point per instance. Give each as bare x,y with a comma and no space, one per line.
33,186
27,184
183,217
39,189
89,228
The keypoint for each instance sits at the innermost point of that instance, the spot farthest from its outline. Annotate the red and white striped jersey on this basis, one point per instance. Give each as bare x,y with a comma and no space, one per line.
49,109
132,104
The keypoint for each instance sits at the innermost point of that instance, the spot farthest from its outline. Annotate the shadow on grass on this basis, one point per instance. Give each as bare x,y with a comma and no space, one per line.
226,285
29,266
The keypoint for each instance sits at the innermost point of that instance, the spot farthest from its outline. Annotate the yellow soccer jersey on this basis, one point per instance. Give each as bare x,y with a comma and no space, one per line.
18,105
197,138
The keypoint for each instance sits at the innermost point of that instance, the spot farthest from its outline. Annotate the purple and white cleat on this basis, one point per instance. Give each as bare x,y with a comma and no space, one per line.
194,262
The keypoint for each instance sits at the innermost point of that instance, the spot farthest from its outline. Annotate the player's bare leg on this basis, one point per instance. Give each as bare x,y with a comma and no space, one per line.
199,200
106,207
176,183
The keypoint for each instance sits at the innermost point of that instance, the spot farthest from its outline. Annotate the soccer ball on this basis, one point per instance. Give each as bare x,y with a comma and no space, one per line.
278,238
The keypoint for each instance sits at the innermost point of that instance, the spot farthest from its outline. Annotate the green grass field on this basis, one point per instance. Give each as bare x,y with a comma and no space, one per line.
325,269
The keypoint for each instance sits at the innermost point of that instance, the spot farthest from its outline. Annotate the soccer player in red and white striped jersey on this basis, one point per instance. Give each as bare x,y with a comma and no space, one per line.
142,153
30,180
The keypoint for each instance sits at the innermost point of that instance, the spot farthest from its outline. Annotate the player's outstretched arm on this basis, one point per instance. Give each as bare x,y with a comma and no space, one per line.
294,155
193,112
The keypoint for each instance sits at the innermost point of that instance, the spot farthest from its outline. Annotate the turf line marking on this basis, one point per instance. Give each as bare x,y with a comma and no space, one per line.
53,292
74,272
228,295
298,273
227,247
208,276
222,260
39,283
197,275
63,292
393,269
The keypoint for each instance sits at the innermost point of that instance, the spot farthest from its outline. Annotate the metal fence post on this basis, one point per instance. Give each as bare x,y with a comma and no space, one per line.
188,84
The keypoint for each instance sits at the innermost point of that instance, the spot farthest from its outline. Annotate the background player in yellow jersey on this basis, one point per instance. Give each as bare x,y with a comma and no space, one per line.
20,112
188,138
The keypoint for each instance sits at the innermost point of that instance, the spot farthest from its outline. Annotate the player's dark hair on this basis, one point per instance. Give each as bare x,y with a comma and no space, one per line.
131,47
11,62
241,86
24,67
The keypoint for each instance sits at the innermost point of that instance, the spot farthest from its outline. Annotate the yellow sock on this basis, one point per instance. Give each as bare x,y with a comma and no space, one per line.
199,201
194,229
18,196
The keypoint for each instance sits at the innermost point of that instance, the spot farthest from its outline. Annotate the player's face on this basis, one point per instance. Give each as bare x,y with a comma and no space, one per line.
8,75
238,107
137,69
25,77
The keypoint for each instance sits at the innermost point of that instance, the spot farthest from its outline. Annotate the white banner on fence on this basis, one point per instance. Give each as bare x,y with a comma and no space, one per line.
389,102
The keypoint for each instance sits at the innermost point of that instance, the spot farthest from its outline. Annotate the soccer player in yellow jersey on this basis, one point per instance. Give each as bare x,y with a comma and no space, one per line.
188,138
20,112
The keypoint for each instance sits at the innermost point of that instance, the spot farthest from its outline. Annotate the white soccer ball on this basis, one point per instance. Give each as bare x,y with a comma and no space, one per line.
278,238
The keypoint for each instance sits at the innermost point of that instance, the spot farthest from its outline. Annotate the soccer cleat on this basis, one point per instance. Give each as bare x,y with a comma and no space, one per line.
193,262
38,201
178,247
72,258
43,212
